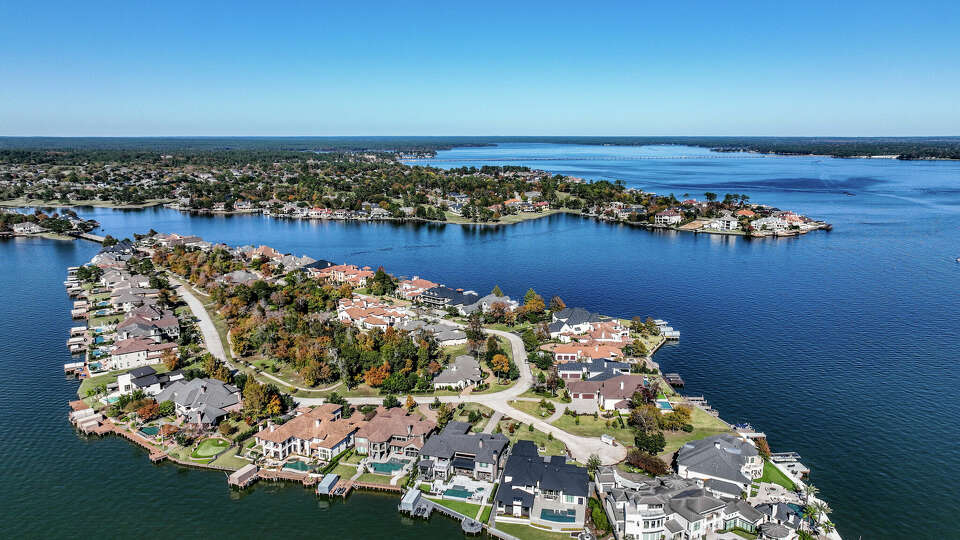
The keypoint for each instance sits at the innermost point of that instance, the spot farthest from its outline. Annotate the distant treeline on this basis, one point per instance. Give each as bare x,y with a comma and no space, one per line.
125,149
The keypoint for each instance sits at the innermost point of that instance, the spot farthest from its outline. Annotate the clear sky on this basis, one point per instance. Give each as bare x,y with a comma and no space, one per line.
479,68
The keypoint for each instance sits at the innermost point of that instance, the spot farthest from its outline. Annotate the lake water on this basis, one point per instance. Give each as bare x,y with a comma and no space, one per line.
839,345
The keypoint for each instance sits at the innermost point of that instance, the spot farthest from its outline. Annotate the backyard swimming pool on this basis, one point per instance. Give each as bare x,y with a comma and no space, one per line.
565,516
149,431
388,467
298,466
459,492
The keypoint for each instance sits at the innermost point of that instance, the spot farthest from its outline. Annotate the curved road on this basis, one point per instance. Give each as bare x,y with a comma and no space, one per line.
580,447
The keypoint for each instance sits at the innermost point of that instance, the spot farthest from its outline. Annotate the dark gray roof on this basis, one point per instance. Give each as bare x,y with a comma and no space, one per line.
573,316
781,513
694,504
726,488
454,298
455,439
141,372
463,368
720,456
319,264
526,467
205,397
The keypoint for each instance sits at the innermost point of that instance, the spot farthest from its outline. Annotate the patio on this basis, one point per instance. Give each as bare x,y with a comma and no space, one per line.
462,488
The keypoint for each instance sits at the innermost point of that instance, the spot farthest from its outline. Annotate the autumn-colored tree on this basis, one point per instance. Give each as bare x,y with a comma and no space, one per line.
501,364
376,375
254,398
275,406
411,403
763,448
557,304
148,411
170,360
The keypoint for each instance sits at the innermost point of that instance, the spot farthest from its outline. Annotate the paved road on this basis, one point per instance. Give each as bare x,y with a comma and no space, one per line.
581,448
211,337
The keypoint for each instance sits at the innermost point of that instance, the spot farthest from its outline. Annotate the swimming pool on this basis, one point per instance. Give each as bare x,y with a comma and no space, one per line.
388,467
559,516
149,431
298,466
458,492
664,405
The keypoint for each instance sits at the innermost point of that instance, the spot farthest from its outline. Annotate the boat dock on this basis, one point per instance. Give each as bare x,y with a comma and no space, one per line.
243,477
674,380
666,330
791,462
416,505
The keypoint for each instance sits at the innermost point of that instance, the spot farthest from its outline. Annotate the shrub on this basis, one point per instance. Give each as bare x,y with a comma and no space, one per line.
598,516
647,462
688,428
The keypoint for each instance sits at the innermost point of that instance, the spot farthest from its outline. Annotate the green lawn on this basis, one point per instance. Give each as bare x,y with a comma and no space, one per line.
371,478
547,446
230,460
590,427
532,408
345,471
108,378
704,425
773,475
468,509
485,515
209,448
106,319
525,532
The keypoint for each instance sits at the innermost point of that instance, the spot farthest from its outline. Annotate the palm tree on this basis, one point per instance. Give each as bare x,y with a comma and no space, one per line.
810,513
828,526
809,491
822,507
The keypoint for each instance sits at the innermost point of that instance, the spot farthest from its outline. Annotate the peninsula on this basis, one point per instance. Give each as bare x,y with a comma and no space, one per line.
283,367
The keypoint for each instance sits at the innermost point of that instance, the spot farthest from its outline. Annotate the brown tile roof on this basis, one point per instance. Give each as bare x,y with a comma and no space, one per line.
394,422
321,423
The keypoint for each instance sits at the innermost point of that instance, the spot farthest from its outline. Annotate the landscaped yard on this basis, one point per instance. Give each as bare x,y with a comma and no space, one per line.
525,532
468,509
773,475
230,460
704,425
532,408
485,515
344,471
590,427
371,478
108,378
209,448
547,446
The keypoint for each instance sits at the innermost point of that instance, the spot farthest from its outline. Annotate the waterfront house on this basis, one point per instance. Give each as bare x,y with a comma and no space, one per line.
137,352
151,322
28,228
668,507
147,379
483,304
572,320
724,457
668,217
201,402
442,297
393,432
463,371
611,394
545,491
457,451
321,433
592,370
412,288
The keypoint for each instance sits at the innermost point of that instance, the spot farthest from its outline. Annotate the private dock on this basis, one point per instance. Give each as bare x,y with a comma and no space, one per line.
243,477
674,380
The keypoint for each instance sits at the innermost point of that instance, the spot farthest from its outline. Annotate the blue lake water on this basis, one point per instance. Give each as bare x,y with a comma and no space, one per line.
839,345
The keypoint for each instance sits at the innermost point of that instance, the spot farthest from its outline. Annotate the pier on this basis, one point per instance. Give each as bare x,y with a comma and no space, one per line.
674,380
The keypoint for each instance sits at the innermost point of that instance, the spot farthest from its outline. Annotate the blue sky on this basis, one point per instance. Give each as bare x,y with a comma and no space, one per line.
471,68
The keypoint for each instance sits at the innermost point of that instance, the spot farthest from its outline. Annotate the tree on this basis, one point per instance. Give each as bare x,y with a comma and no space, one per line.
647,462
391,401
652,443
474,330
501,364
593,463
530,340
254,398
444,415
763,448
170,360
148,411
376,376
411,403
496,291
275,406
557,304
166,408
598,515
711,197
